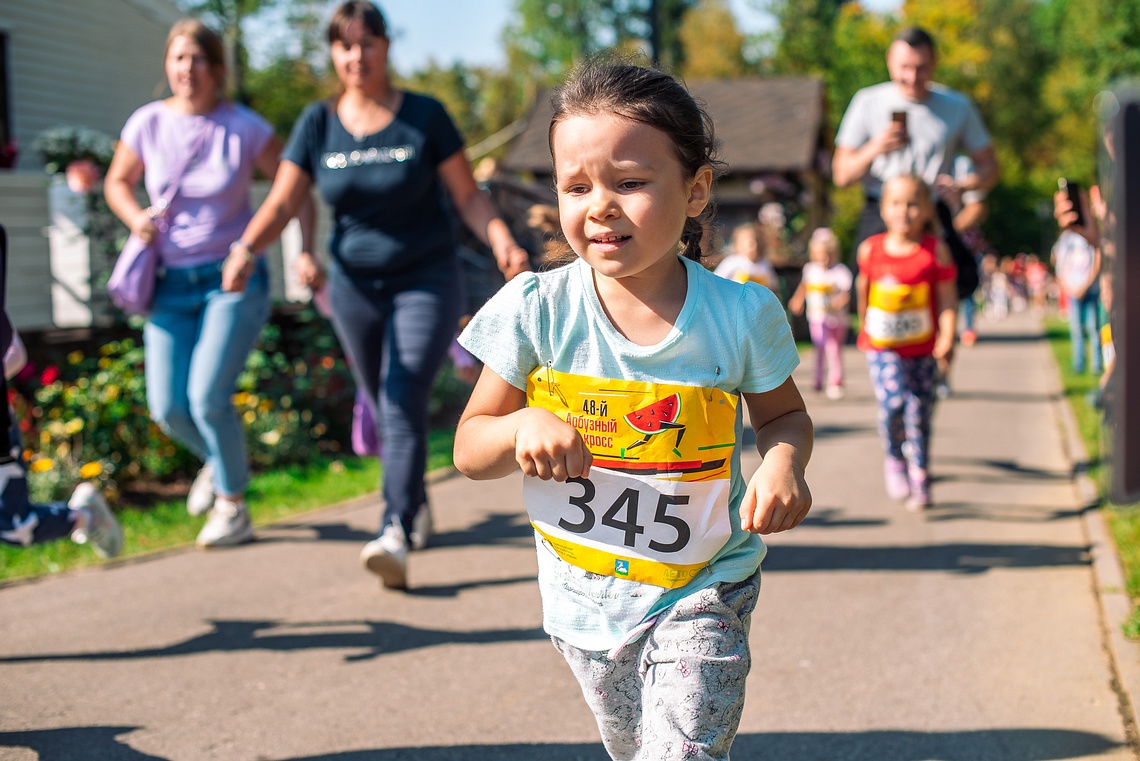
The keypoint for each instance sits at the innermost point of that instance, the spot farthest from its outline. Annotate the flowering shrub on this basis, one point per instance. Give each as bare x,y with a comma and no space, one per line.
60,146
85,415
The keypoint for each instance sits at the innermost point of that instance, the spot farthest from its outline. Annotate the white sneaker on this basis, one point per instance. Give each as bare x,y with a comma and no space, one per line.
227,525
835,392
422,528
98,526
201,495
387,557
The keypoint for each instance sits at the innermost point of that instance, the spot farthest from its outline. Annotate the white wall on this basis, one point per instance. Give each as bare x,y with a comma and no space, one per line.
81,62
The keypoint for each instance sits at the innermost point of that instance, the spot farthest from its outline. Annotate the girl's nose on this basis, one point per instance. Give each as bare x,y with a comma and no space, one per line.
602,205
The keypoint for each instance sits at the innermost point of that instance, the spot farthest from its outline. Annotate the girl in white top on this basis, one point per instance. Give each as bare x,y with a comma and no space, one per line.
615,383
824,293
746,263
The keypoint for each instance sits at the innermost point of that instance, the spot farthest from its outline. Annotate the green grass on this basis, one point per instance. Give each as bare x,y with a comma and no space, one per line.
272,497
1123,520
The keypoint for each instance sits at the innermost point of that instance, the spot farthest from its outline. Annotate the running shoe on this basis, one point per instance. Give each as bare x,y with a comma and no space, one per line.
97,525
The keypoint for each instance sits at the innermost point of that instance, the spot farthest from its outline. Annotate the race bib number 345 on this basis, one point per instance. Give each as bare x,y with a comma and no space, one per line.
616,524
654,508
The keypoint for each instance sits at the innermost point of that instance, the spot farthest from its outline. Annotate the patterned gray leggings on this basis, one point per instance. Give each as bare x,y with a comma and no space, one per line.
677,691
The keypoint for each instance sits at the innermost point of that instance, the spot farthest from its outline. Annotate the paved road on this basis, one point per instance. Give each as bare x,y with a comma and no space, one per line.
969,633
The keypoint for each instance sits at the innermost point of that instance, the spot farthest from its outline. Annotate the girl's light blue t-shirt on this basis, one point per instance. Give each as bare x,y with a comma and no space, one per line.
730,336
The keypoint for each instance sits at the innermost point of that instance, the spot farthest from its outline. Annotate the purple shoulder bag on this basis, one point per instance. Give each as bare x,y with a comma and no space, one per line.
131,285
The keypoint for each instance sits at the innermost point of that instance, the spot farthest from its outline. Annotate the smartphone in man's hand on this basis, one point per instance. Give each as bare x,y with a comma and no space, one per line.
899,117
1073,191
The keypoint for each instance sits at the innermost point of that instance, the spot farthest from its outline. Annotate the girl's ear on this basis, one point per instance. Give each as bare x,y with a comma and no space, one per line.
700,187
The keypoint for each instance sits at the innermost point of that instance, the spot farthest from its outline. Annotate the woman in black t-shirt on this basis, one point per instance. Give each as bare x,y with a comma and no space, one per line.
391,165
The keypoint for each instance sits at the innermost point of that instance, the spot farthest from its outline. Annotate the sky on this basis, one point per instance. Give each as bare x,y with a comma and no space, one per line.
471,30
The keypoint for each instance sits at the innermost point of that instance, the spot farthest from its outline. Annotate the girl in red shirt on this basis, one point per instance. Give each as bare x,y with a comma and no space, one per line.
907,308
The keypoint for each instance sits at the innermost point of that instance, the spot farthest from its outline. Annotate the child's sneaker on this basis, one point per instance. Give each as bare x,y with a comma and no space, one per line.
919,498
96,524
201,496
227,525
423,526
835,392
894,476
969,337
387,557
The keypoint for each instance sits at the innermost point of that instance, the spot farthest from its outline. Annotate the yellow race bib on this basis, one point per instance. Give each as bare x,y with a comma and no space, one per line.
898,315
655,506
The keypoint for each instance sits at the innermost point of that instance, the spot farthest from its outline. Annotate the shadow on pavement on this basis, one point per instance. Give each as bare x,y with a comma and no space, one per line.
497,528
1007,467
978,745
831,517
70,743
1009,338
998,511
369,639
951,558
1004,397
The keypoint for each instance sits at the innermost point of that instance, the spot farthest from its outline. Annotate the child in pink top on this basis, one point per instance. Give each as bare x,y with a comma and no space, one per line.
824,293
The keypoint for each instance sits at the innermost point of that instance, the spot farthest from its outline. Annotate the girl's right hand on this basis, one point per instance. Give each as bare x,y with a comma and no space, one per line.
142,225
548,448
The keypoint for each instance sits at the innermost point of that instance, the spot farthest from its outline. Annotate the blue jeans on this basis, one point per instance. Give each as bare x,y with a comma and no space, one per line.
1083,318
197,341
395,331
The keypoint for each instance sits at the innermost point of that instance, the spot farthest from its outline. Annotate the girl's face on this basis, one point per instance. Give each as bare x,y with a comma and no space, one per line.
821,254
189,72
746,242
359,57
905,208
623,196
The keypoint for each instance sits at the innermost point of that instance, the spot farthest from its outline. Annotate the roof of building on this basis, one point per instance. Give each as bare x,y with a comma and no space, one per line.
770,124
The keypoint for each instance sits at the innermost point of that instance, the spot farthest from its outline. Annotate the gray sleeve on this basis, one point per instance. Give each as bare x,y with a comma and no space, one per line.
974,134
501,333
853,129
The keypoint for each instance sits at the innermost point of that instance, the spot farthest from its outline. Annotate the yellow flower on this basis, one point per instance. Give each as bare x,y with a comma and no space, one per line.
271,437
41,465
91,470
75,357
73,426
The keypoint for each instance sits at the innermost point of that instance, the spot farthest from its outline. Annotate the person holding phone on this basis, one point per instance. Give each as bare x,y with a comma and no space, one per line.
1077,264
911,125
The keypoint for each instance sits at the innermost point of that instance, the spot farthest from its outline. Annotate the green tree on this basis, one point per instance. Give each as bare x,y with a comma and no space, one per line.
228,16
806,35
712,45
547,37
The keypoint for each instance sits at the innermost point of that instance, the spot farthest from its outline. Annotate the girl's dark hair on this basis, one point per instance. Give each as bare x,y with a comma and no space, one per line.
649,96
357,10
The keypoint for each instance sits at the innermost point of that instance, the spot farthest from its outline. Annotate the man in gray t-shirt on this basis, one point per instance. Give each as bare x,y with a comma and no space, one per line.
911,125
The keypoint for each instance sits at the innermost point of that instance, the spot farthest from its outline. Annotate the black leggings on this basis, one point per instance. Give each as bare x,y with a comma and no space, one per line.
396,332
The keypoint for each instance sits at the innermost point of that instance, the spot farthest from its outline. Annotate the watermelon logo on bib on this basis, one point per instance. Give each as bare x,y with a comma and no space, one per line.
657,418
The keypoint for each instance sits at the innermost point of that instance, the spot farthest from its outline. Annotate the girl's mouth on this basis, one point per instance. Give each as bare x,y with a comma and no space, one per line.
609,240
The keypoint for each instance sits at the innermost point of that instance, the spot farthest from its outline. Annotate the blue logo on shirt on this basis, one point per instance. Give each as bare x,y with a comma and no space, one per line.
621,567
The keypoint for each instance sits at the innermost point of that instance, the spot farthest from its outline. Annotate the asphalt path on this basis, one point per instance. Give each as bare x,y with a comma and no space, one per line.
971,632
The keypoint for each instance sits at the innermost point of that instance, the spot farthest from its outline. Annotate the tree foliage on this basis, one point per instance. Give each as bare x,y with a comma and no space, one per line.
712,46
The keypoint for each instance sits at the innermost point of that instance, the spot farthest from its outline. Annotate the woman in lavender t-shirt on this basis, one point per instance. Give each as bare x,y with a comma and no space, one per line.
199,333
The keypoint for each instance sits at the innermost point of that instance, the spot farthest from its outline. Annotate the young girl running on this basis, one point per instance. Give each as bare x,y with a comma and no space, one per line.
824,293
908,307
615,383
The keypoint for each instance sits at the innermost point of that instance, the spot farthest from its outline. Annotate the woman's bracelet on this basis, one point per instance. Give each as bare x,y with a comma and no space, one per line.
239,249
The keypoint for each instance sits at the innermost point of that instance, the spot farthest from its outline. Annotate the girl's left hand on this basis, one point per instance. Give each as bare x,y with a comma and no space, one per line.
236,273
777,497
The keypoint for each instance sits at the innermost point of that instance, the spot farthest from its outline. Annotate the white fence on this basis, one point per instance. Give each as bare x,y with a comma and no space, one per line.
50,268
